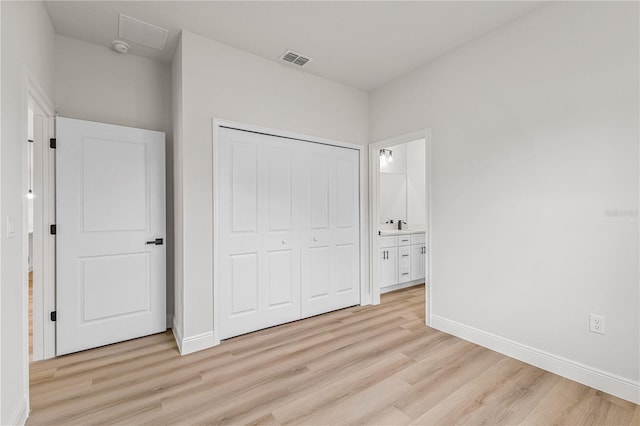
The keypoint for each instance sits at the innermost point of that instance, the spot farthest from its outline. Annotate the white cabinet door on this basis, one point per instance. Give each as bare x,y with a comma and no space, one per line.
418,256
388,261
259,239
331,229
110,202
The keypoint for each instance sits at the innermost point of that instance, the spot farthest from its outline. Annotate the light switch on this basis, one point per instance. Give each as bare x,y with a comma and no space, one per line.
11,227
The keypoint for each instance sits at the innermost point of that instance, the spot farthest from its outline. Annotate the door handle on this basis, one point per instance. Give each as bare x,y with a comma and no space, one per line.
157,242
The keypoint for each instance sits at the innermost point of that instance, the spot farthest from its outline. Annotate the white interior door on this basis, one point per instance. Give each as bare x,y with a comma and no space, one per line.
331,234
259,236
110,210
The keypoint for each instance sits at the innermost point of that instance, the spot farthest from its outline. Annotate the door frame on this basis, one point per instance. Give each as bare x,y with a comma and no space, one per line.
44,331
366,289
374,190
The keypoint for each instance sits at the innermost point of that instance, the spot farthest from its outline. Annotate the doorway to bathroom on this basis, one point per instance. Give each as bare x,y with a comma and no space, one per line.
399,212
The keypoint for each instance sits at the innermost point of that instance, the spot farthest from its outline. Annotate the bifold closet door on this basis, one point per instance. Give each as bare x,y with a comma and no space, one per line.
288,230
259,237
331,234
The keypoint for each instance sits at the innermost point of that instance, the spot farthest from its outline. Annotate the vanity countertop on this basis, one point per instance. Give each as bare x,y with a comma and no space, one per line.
391,232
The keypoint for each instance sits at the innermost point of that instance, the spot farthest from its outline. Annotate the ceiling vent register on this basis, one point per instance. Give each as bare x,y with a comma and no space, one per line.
294,58
142,33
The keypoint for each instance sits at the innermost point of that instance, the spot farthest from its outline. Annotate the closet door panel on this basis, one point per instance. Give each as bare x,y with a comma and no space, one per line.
244,284
280,239
280,282
244,188
239,233
346,268
317,281
345,274
332,196
260,249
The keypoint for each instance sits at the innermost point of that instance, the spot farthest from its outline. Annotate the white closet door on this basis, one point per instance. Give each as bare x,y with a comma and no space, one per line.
331,230
259,237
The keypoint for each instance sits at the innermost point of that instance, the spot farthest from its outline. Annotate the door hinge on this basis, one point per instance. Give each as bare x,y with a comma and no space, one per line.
52,143
52,229
53,315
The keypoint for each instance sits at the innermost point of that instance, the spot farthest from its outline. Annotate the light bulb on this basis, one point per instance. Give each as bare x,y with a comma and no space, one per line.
30,195
390,156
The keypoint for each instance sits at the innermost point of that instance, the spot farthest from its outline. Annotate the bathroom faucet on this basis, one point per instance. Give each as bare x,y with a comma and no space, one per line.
400,222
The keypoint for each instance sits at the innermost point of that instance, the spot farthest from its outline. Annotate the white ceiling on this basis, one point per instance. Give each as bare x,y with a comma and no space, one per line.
361,44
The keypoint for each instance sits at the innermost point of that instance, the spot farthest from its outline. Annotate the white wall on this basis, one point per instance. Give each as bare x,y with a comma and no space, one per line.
27,46
535,143
95,83
219,81
416,189
177,120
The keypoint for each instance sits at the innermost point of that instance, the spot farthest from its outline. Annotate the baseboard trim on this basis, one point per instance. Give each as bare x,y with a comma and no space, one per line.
20,415
401,286
196,343
598,379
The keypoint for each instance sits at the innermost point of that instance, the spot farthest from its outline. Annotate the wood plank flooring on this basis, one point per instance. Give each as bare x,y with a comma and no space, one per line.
364,365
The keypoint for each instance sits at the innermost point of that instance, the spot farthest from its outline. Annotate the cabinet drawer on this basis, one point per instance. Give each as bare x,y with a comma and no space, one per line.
404,275
404,256
418,238
391,241
404,240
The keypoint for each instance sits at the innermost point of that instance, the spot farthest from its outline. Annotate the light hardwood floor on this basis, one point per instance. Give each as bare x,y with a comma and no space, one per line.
363,365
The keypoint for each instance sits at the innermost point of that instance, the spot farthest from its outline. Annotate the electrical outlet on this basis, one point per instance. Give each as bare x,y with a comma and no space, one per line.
596,323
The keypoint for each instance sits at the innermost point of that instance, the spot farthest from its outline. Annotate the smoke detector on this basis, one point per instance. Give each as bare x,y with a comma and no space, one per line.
294,58
120,46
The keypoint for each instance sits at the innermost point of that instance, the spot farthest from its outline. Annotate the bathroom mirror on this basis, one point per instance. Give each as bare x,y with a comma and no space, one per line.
402,185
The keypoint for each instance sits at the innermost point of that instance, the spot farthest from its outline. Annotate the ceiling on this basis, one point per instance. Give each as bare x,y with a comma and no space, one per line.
361,44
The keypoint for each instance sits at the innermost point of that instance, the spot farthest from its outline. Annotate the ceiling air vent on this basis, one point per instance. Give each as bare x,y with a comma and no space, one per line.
142,33
294,58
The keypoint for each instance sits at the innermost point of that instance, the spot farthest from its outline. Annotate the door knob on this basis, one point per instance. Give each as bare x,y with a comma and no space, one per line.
157,242
284,241
315,239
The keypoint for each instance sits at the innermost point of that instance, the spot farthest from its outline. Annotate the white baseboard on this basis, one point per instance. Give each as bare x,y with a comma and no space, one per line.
191,344
602,380
400,286
20,415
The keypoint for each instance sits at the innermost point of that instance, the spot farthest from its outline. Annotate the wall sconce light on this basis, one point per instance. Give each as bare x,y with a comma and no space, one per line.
386,155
